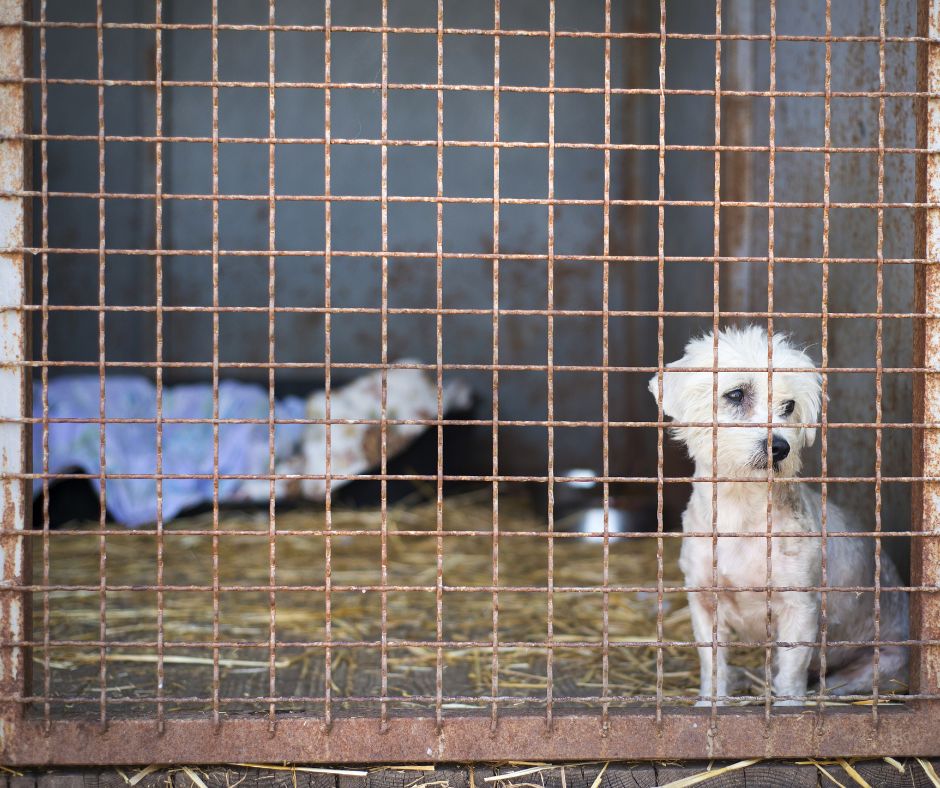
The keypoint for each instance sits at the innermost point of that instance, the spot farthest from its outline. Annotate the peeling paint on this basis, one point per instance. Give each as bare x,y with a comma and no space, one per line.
14,376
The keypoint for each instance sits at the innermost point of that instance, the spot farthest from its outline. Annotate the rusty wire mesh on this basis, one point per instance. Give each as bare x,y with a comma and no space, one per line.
40,705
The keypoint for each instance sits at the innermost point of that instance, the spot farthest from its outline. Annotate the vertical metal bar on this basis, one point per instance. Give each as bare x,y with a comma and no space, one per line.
605,403
44,261
439,328
494,657
327,372
716,310
925,612
158,273
879,349
216,676
660,361
14,375
550,374
384,404
824,344
102,430
771,252
272,272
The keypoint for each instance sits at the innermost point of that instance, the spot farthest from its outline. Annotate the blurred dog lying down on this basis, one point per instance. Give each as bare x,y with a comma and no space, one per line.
243,448
745,455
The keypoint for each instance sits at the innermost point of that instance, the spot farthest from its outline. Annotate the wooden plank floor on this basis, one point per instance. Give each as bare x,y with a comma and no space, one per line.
765,774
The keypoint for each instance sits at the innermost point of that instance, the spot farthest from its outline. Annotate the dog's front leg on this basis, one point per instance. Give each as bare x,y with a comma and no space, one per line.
796,616
702,608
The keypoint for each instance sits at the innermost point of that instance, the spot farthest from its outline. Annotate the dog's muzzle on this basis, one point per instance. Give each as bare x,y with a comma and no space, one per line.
779,451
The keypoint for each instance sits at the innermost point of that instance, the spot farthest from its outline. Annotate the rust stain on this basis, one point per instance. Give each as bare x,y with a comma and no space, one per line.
682,734
925,613
15,161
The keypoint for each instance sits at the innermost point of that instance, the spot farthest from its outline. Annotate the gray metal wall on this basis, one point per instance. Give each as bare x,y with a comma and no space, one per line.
468,228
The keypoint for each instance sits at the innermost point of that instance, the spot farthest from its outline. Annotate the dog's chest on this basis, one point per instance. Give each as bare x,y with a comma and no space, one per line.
741,549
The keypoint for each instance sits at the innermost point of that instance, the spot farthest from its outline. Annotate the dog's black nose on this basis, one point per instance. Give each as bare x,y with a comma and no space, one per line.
779,448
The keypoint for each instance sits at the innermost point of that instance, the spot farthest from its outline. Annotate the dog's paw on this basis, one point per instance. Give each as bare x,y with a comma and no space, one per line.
789,702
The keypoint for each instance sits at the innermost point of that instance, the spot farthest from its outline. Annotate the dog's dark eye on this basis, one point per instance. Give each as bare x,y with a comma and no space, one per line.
735,395
788,407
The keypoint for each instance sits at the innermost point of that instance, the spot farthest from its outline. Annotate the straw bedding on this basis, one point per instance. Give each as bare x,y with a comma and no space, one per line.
243,616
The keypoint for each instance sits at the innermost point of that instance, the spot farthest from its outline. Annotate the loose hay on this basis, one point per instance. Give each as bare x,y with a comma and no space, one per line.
245,615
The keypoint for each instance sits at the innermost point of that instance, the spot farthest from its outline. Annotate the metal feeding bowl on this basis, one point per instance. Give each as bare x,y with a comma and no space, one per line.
579,506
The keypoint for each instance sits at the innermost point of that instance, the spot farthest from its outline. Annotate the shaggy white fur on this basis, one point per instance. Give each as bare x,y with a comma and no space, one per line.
740,454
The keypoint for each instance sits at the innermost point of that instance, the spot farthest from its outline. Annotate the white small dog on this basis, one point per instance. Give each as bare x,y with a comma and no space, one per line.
796,561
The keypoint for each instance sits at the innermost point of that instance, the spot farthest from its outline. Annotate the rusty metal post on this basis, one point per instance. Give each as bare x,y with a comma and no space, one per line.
14,376
925,562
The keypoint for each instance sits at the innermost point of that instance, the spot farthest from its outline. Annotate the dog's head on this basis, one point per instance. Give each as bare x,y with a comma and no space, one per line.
742,451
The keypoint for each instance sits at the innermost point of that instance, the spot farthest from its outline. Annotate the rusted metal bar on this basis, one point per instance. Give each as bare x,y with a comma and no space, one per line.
428,143
327,377
494,657
15,399
216,602
550,201
476,88
158,377
925,561
470,31
605,396
550,378
918,261
660,360
44,351
879,357
439,380
682,734
824,330
746,287
383,403
102,429
272,272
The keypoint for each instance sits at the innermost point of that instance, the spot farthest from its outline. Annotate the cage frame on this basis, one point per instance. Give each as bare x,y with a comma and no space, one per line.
908,730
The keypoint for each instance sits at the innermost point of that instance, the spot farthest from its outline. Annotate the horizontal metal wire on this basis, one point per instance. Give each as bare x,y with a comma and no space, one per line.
418,477
469,367
467,88
428,199
62,532
383,588
363,365
411,700
456,255
463,31
487,144
363,310
476,423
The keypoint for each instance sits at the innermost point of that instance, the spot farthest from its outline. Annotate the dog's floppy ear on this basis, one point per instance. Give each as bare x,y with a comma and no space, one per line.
807,385
673,386
809,401
680,387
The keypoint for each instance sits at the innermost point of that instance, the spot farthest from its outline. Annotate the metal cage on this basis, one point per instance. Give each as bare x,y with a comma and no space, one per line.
604,726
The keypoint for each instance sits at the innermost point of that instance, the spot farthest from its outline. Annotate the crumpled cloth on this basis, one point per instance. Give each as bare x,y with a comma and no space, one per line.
243,450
